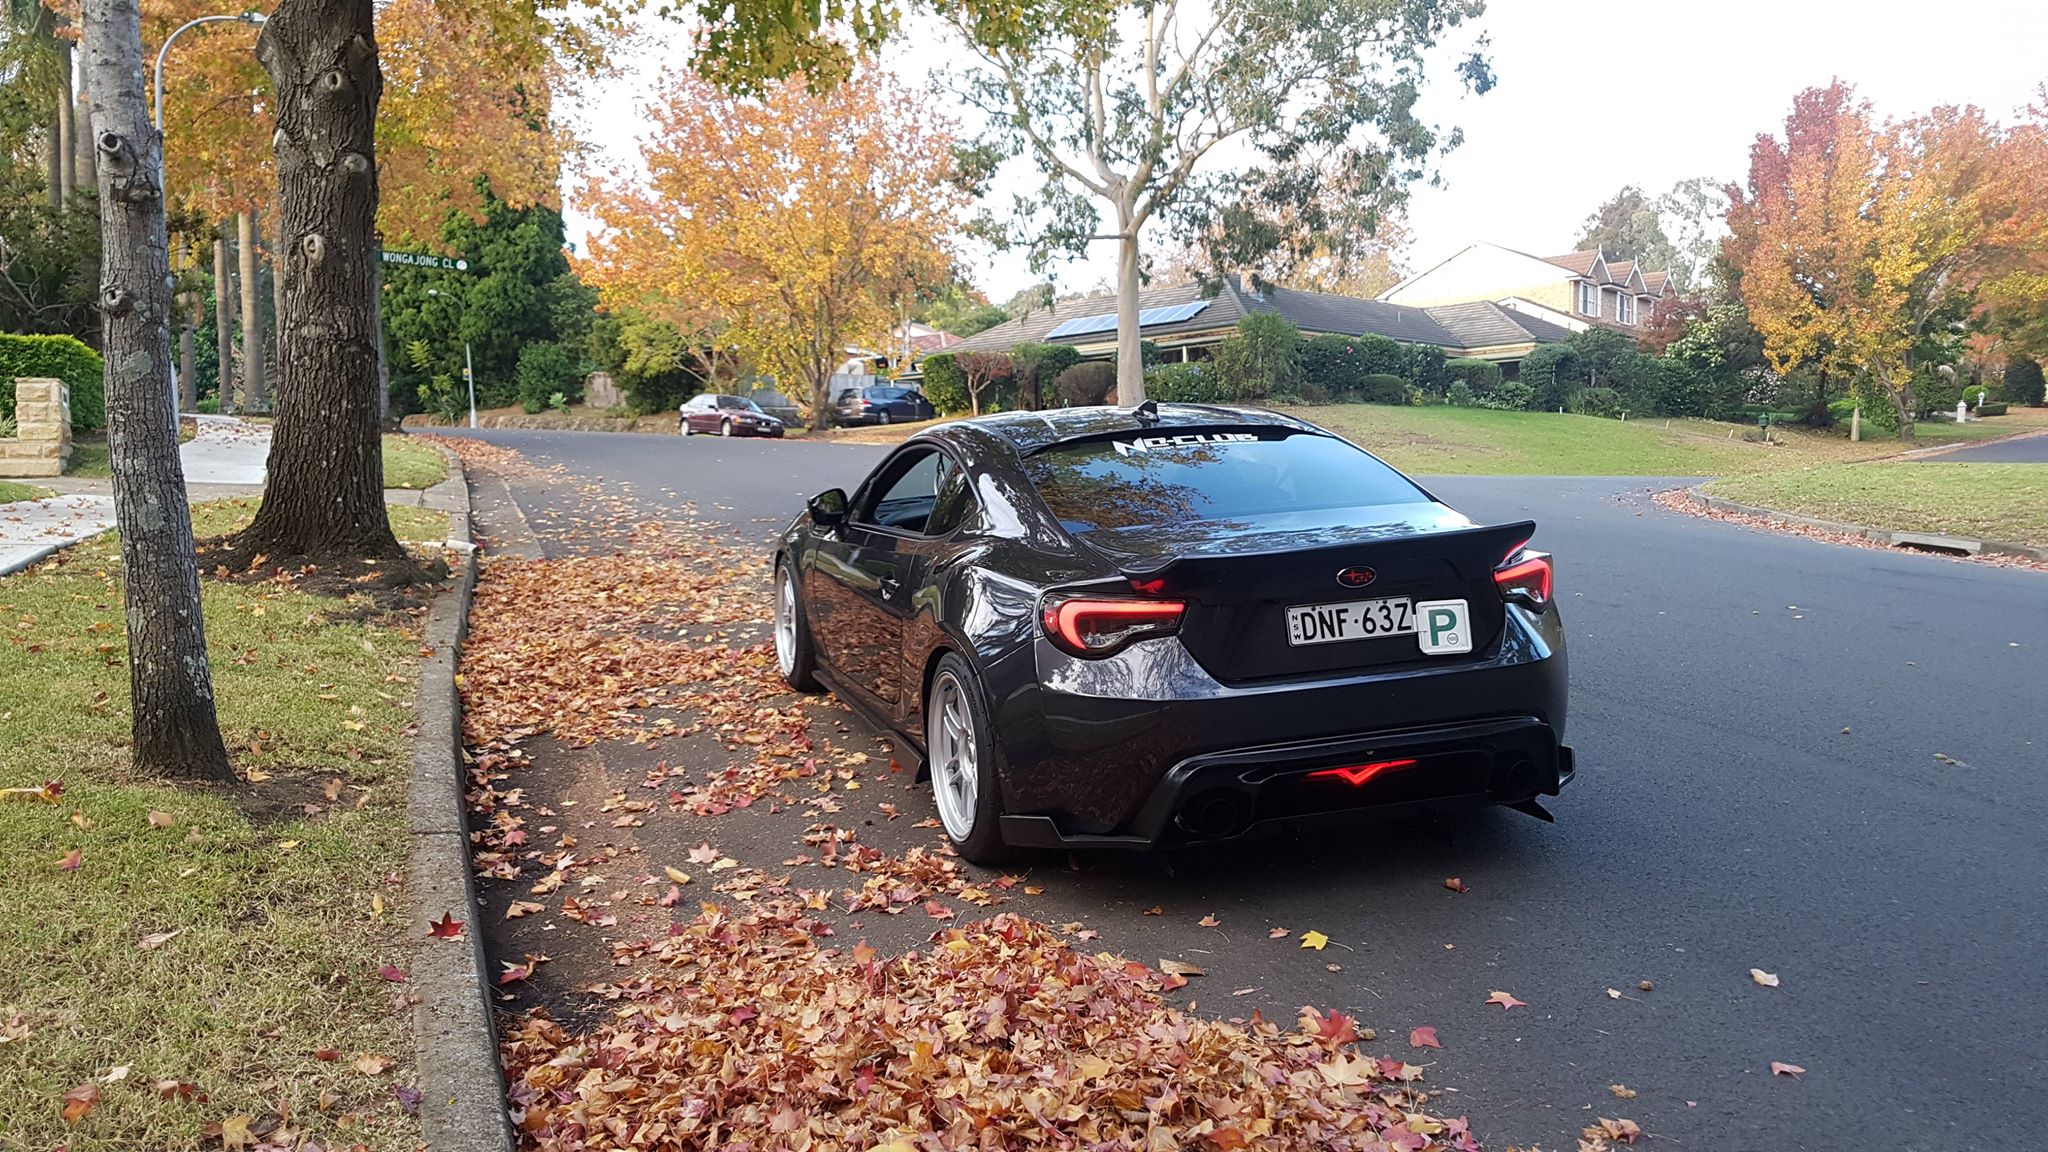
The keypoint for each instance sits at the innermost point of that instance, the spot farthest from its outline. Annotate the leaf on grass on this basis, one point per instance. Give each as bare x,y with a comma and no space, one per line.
520,908
373,1064
79,1101
257,776
161,819
235,1133
390,972
156,940
115,1075
1780,1068
1454,884
1314,939
81,821
446,928
70,861
1423,1037
376,904
1506,1000
1763,978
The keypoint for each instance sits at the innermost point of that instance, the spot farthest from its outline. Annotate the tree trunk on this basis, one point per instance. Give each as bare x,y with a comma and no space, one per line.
67,127
87,156
324,494
223,326
251,314
1130,360
54,160
276,329
175,730
188,356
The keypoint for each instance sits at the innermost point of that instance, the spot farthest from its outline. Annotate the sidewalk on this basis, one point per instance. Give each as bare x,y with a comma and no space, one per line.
224,461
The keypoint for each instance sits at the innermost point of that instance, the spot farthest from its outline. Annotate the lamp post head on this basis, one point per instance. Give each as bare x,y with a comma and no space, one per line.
256,18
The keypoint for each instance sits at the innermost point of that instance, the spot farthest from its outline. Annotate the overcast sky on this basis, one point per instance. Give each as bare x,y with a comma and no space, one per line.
1595,96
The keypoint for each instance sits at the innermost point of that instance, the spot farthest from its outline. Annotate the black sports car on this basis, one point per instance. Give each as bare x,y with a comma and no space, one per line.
1174,623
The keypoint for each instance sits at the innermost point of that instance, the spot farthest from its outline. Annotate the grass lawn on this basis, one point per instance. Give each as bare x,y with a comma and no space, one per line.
10,491
2006,502
269,886
1480,441
408,463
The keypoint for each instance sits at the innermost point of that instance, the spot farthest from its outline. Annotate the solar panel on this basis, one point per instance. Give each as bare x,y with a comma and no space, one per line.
1150,317
1082,325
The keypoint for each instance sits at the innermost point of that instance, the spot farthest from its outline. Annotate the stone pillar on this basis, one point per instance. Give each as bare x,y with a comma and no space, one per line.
42,422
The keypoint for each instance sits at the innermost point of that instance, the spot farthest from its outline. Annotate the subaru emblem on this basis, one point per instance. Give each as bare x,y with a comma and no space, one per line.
1356,576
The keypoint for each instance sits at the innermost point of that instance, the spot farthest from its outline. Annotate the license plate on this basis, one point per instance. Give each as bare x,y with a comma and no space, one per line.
1354,620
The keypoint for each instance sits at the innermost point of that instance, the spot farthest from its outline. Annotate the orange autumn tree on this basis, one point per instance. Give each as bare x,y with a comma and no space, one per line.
783,227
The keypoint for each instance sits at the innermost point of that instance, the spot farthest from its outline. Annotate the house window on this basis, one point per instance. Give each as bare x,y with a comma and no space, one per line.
1625,308
1589,299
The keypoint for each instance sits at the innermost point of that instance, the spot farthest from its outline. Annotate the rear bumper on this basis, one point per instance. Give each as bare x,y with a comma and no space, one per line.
1258,791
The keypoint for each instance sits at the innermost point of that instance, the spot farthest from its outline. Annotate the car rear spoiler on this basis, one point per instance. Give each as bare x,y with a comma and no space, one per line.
1221,577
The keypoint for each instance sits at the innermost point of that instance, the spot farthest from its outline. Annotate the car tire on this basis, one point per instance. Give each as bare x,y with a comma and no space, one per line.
883,418
795,658
960,749
725,427
683,426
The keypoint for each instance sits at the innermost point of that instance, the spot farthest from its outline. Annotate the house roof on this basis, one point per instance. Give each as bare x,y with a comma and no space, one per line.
1455,326
1655,282
1617,271
1577,263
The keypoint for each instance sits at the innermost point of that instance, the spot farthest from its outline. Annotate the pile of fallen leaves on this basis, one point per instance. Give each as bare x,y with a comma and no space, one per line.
749,1035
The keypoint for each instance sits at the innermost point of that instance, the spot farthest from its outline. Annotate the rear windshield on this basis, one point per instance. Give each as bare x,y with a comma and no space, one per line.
1222,474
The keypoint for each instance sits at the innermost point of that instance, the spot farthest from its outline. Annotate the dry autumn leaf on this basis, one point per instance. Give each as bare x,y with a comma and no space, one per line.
1314,939
1506,1000
676,875
156,940
1763,978
1209,921
520,908
446,928
1277,934
1780,1068
1454,884
703,854
79,1101
161,820
1177,968
1622,1091
235,1132
372,1064
70,861
1423,1037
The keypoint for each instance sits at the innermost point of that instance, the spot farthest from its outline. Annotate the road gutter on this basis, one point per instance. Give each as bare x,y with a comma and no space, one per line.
1884,536
462,1083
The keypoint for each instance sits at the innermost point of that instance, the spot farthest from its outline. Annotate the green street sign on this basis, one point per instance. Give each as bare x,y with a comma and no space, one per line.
424,260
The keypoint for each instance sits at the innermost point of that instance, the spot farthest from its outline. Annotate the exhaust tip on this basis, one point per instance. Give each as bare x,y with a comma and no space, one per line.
1214,815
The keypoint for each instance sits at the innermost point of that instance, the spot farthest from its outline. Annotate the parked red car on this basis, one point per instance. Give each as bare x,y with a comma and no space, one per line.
711,412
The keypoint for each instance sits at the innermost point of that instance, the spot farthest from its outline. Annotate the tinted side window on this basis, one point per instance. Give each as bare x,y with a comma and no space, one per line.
1211,474
903,497
955,499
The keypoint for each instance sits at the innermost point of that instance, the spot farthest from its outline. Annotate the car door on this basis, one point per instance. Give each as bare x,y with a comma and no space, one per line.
703,417
871,574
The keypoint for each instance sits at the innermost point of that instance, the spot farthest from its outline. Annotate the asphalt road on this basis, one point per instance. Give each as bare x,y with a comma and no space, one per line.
1761,722
2020,450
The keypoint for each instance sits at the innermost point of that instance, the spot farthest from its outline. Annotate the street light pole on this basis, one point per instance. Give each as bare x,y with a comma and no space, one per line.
256,19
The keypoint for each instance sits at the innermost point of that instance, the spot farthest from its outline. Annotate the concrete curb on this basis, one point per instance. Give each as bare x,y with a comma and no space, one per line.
462,1083
1885,536
1958,446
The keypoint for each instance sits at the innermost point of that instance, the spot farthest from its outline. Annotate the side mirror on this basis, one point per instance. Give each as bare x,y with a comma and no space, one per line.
828,507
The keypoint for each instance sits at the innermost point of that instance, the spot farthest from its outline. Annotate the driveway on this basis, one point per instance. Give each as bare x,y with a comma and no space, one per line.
2031,449
1820,762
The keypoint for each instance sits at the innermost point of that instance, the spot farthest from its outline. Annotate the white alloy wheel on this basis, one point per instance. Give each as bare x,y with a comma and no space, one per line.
955,758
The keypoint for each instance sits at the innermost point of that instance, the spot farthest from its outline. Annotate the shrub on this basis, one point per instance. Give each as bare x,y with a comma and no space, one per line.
985,373
944,384
1425,366
1459,395
1036,366
1992,408
1509,396
1088,383
1261,358
209,405
1383,388
1186,384
1553,371
1340,364
559,403
545,368
1974,394
1595,402
1479,376
65,358
2023,382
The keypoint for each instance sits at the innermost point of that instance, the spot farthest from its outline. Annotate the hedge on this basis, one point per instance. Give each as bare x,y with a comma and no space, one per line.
2023,382
1383,388
1038,365
1481,376
1187,384
66,358
1088,383
944,384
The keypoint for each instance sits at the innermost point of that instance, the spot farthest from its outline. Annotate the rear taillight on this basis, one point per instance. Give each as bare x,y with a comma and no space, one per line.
1524,577
1100,626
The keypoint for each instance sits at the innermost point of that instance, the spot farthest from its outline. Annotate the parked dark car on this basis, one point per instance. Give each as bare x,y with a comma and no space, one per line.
883,404
1175,623
727,416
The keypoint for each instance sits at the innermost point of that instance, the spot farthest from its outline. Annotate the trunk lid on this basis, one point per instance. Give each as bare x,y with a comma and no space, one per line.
1239,579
